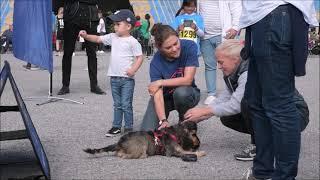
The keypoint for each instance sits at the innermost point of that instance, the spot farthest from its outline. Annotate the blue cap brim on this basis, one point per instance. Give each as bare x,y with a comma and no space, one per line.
115,18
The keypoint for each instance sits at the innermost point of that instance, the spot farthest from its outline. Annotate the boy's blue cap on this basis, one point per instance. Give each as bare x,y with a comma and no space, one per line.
123,15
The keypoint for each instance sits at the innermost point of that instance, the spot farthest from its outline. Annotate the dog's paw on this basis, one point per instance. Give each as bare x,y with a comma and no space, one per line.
201,153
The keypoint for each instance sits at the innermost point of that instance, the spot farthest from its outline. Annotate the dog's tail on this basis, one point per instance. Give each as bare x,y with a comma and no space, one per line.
109,148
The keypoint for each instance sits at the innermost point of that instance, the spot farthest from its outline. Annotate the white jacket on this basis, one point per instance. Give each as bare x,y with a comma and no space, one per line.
230,12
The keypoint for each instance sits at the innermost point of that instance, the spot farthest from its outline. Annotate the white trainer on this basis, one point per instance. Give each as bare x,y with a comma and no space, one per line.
209,99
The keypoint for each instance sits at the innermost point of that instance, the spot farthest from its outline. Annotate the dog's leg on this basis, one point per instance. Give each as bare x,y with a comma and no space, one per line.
143,156
119,153
178,151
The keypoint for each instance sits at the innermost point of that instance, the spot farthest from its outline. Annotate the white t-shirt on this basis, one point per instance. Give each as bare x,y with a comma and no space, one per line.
123,52
210,12
254,11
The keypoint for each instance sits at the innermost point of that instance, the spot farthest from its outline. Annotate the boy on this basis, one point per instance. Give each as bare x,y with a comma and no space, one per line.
125,49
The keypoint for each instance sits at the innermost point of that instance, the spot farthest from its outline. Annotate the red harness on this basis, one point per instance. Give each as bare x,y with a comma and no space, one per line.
160,150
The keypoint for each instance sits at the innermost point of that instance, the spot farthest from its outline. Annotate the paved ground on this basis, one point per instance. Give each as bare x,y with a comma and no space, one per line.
66,128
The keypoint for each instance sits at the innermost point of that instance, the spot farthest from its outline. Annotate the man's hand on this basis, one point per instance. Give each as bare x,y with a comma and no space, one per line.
198,114
130,72
231,33
154,87
83,33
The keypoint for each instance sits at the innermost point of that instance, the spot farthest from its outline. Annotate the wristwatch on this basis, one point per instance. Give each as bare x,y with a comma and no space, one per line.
162,120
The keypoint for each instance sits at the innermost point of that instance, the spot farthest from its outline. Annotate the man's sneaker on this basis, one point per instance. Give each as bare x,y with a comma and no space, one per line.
34,68
27,66
97,90
248,175
209,99
113,131
127,130
64,90
247,154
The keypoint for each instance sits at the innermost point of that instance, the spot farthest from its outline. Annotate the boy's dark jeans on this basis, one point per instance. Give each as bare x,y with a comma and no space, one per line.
270,90
182,99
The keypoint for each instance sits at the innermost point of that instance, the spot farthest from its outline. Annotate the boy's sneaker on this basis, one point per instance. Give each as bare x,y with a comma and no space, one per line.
113,131
127,130
247,154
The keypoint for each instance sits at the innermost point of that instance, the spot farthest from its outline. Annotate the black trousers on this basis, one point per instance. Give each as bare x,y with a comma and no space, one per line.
240,122
70,35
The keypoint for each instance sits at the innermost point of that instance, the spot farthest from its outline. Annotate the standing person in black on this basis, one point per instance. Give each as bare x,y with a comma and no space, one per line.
59,31
79,15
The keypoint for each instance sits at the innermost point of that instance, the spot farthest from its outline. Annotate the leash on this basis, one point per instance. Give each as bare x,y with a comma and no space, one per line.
157,140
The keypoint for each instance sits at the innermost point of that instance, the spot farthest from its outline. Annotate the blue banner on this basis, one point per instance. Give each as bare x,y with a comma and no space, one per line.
32,32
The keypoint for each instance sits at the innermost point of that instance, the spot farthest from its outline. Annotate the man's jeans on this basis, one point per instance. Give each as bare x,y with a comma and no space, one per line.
270,90
122,92
183,98
208,48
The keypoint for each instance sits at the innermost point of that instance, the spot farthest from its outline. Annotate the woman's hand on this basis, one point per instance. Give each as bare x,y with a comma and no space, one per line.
164,124
154,87
198,114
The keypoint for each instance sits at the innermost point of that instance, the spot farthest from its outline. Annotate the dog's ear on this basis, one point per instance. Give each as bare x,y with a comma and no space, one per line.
190,125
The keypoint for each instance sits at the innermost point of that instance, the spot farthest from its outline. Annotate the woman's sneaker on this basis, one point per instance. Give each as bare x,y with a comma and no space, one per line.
113,132
247,154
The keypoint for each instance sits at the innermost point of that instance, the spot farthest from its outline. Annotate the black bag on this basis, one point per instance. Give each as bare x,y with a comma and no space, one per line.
299,101
302,108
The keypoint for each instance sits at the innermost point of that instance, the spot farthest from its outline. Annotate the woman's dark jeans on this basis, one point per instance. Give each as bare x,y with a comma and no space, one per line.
182,99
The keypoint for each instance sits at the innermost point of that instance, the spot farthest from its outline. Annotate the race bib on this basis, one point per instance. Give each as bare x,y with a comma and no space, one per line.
189,34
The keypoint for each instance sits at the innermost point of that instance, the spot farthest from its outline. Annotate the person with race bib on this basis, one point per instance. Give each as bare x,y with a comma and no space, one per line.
188,23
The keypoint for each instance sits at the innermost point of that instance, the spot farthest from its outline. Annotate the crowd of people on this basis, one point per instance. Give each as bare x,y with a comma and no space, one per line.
259,95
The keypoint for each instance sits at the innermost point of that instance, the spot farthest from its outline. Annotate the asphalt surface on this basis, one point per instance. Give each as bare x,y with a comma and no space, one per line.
65,128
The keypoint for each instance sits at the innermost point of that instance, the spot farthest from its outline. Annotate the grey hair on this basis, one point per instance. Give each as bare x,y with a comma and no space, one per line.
230,48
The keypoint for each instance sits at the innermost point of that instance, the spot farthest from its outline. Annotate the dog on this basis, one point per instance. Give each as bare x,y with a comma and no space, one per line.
180,140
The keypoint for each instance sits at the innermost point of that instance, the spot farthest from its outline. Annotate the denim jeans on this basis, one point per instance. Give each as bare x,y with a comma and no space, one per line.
122,93
182,99
208,47
270,90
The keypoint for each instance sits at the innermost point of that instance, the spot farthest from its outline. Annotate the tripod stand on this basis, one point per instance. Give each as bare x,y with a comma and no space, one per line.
52,98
